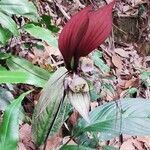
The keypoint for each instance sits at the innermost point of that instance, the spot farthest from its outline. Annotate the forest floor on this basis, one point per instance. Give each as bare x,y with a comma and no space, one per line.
124,67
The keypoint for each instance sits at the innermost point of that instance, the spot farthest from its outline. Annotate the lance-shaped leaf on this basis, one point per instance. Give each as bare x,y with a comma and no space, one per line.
30,73
48,107
5,35
19,7
9,129
61,117
41,33
5,98
8,23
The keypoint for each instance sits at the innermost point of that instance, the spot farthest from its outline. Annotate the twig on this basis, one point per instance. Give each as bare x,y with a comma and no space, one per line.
71,137
120,29
32,41
62,10
93,3
52,59
57,63
79,3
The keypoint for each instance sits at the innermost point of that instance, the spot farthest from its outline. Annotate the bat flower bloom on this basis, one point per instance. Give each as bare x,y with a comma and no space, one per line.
84,32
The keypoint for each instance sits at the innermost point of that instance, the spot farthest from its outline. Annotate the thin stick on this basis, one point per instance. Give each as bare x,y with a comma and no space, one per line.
62,10
79,3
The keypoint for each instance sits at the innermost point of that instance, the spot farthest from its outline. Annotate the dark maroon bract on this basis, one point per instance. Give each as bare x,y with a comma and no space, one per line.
84,32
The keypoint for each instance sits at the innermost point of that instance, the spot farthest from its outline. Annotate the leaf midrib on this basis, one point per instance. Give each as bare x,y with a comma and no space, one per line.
28,70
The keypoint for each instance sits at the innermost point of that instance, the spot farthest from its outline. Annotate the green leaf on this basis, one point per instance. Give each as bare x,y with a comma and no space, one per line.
5,35
5,98
41,33
12,77
2,68
109,148
62,115
107,86
127,116
83,139
47,21
37,75
97,58
19,7
9,129
145,77
132,91
8,23
16,63
49,105
4,55
93,93
76,147
20,77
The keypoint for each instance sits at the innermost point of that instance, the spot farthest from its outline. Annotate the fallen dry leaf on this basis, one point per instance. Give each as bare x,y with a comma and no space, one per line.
93,105
53,143
25,137
132,82
21,146
66,139
145,140
117,61
121,52
131,144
